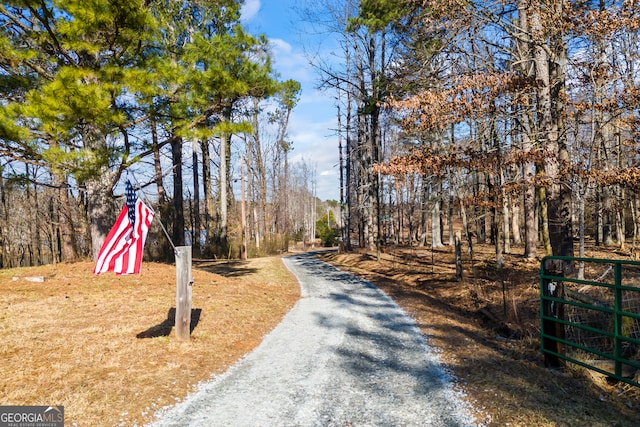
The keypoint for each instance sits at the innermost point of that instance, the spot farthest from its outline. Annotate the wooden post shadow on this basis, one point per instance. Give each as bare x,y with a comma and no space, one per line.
163,329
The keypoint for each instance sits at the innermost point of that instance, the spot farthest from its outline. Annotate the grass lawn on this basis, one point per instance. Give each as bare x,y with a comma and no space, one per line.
104,347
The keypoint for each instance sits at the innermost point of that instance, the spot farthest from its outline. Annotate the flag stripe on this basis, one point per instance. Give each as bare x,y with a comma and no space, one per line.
141,231
123,248
116,234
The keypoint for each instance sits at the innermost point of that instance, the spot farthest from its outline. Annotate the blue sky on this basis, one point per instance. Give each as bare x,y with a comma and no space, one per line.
313,122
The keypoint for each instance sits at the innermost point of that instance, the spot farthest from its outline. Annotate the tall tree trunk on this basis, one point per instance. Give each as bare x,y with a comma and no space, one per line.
525,55
497,227
209,206
164,210
478,211
285,184
374,136
251,193
550,77
450,204
348,166
620,197
260,173
231,200
343,236
65,218
599,235
196,204
348,173
222,194
178,197
529,192
436,229
465,222
99,190
424,211
243,216
33,232
515,220
561,225
157,164
505,214
363,202
99,211
452,190
225,183
543,226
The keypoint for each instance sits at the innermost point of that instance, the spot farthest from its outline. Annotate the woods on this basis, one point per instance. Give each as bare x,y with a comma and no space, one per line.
514,122
175,96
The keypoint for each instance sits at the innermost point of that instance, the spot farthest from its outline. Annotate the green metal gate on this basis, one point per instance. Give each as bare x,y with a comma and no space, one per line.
593,323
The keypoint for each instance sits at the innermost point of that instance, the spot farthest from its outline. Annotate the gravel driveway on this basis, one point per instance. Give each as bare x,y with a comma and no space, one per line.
345,355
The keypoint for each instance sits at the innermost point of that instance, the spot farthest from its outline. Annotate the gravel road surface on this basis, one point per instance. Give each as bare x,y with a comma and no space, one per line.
345,355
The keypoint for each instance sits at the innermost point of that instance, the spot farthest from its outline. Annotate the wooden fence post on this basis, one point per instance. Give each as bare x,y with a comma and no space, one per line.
184,280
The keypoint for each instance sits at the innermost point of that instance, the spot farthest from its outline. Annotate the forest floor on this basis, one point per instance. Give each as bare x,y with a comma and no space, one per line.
493,350
105,347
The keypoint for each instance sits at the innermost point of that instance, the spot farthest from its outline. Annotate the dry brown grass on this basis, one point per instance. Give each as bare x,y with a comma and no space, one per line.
103,346
77,339
499,364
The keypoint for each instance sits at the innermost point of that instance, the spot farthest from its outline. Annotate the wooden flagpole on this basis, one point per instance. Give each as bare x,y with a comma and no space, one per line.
184,281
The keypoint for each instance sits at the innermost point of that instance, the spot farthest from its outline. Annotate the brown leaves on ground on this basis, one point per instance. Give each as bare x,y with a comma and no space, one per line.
104,346
495,356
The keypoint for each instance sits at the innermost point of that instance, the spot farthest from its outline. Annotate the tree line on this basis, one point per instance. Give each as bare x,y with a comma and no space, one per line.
159,92
518,120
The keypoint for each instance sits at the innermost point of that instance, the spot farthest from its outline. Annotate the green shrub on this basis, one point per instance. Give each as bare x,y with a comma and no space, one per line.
326,230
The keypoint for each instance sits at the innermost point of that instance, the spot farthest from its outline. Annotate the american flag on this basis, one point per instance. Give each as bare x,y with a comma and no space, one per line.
122,250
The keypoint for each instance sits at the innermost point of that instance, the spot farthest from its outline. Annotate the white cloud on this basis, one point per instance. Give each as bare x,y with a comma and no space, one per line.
313,123
315,143
280,47
290,62
249,10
